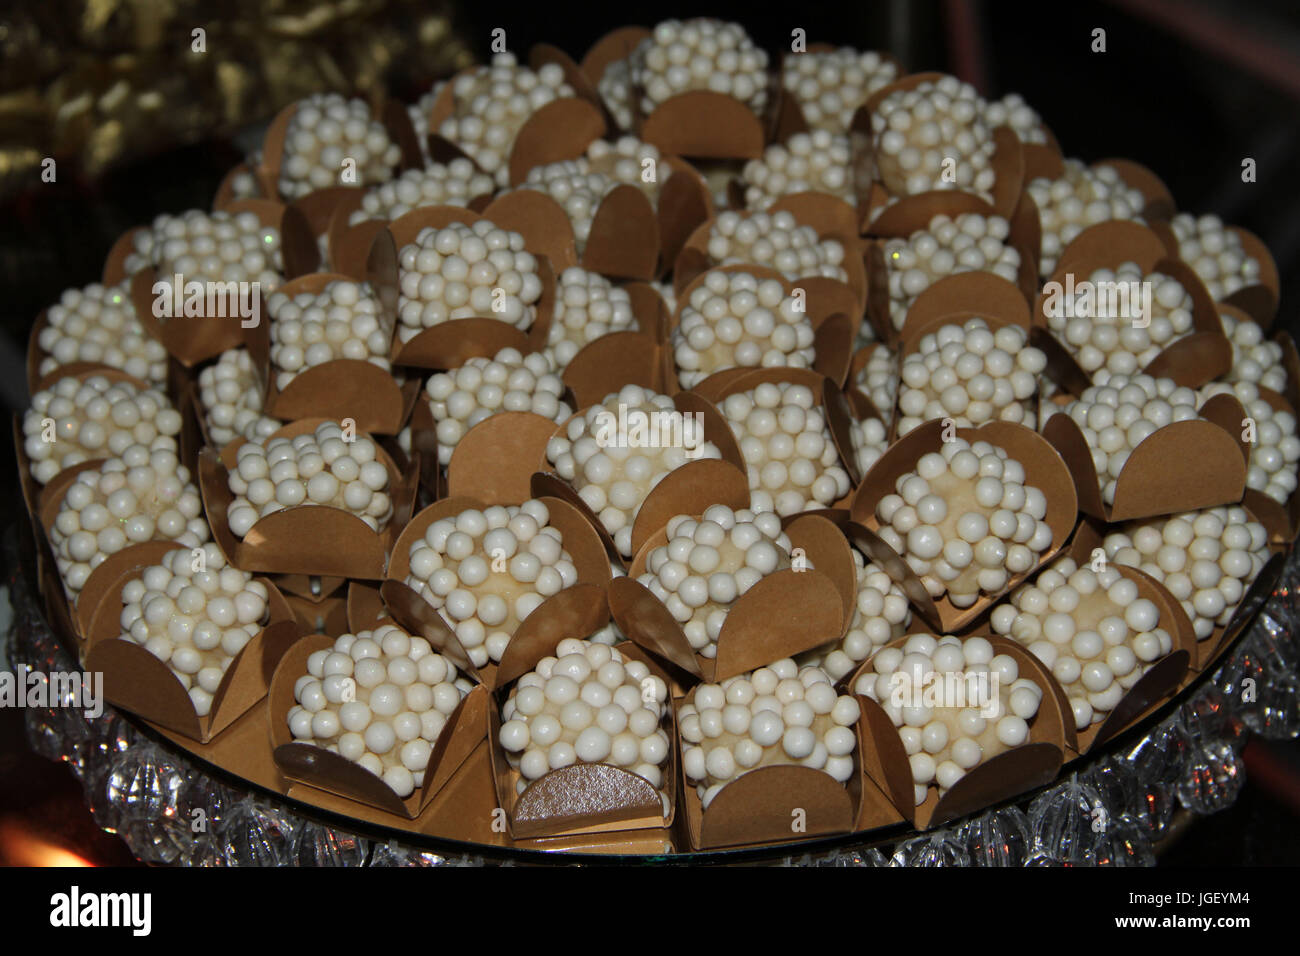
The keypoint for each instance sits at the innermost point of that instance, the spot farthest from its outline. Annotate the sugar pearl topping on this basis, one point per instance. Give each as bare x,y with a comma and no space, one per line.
1090,628
335,141
507,382
808,162
792,461
1112,332
1081,197
970,242
776,241
210,247
870,440
586,704
141,495
1214,253
342,321
1117,415
324,467
232,399
194,614
778,715
830,86
1255,359
1013,111
94,418
1206,559
437,184
486,571
492,103
615,453
378,698
419,114
955,702
699,54
879,379
98,324
1275,449
615,89
710,562
971,374
462,271
880,615
587,306
734,320
934,137
965,521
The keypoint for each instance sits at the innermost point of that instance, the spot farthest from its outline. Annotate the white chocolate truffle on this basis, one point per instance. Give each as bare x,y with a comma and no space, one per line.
587,703
966,521
1116,415
460,272
98,324
708,563
1255,359
1215,254
956,705
830,86
776,241
971,374
1090,628
486,571
699,54
342,321
437,184
971,242
792,461
379,698
1275,448
587,306
1014,112
1207,559
934,136
807,162
881,614
490,104
778,715
1080,197
615,453
207,246
1107,322
194,613
141,495
91,419
508,382
324,467
231,399
736,320
330,135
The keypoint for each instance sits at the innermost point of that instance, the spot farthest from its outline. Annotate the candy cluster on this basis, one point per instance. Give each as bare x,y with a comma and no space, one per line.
194,613
870,440
1206,559
381,699
965,521
508,382
778,715
1215,253
782,433
971,374
1014,112
829,86
486,571
734,319
210,247
615,453
776,241
1275,448
140,495
342,321
708,563
879,379
94,418
699,54
1080,197
1254,359
880,614
232,399
460,272
586,704
807,162
97,324
328,467
587,306
1091,628
438,184
335,141
984,705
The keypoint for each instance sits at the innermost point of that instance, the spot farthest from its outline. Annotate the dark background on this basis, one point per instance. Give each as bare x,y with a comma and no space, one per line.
1188,88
